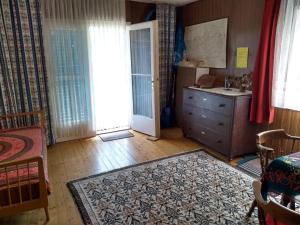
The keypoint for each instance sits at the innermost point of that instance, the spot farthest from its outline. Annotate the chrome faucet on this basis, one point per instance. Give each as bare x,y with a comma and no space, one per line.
227,83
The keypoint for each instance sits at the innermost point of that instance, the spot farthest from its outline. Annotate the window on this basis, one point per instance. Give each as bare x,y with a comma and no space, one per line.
286,81
71,81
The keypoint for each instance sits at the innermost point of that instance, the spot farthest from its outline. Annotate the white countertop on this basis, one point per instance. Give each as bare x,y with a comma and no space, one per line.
222,91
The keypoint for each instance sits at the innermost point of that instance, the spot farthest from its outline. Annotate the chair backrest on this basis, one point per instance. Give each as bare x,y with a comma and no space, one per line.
278,212
272,144
278,140
267,136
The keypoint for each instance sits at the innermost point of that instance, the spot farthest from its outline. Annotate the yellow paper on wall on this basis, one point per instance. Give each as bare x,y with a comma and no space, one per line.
242,57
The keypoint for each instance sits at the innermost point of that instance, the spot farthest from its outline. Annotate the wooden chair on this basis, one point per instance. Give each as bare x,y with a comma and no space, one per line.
272,144
278,212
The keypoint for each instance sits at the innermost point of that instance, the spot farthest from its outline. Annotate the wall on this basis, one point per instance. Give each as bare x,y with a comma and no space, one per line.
245,18
288,120
244,24
137,11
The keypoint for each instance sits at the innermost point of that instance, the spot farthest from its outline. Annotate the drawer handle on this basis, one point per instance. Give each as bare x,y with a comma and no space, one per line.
203,116
204,99
219,141
190,97
202,132
221,124
190,113
222,105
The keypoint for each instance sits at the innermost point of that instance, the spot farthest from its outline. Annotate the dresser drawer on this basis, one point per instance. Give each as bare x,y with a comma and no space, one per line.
214,121
191,97
212,102
210,138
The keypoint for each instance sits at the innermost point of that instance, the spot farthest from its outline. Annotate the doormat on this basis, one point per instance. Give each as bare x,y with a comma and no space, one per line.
116,135
251,165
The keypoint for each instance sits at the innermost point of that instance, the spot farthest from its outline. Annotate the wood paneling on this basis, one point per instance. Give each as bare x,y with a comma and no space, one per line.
244,25
289,120
136,12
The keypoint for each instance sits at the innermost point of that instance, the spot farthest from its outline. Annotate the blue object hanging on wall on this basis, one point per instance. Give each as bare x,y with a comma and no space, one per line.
180,46
151,15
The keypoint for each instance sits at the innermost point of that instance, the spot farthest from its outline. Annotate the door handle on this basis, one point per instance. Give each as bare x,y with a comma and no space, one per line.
202,132
203,116
222,105
204,99
191,97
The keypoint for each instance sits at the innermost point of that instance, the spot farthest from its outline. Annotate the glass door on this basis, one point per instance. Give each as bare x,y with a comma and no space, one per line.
145,78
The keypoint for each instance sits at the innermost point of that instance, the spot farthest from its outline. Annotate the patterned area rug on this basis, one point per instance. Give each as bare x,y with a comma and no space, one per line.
190,188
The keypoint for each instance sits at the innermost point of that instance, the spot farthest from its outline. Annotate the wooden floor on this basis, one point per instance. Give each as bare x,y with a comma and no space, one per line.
71,160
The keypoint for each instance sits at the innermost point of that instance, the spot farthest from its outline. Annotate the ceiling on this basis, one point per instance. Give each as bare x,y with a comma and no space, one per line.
174,2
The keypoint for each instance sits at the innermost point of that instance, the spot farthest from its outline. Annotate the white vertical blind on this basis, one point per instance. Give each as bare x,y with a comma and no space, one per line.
286,79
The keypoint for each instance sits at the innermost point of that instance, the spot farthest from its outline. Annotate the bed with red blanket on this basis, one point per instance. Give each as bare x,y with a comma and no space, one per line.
24,183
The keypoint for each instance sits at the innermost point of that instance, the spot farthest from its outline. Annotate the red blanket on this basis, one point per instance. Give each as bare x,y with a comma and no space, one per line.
22,144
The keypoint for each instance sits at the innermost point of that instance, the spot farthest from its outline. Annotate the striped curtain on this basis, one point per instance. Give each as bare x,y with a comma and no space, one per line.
166,16
23,80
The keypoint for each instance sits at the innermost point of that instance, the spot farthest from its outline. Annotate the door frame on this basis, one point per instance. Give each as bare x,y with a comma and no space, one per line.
153,25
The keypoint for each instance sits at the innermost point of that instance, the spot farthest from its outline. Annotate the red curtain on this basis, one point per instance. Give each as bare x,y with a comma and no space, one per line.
261,104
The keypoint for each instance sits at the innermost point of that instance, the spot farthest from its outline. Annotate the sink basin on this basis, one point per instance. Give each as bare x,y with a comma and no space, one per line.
223,91
226,89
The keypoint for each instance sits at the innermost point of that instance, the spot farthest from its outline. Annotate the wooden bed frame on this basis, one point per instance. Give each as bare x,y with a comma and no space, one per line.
26,194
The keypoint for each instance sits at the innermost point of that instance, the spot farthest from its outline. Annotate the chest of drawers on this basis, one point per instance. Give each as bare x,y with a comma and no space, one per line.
219,121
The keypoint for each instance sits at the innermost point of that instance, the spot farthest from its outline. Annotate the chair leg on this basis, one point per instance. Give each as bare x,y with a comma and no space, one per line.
261,216
47,213
254,204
